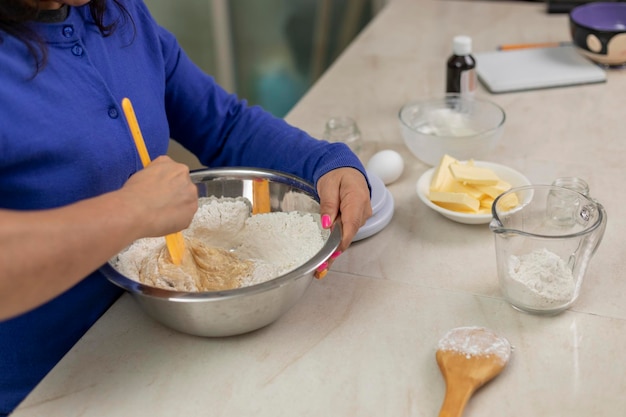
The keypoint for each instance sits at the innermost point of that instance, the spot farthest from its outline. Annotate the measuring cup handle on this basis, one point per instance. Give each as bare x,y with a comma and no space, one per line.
602,227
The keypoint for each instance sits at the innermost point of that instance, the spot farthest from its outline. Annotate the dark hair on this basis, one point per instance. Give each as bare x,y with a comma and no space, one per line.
15,14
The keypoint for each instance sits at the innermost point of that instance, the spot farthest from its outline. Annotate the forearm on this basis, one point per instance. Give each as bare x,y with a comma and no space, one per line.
222,130
43,253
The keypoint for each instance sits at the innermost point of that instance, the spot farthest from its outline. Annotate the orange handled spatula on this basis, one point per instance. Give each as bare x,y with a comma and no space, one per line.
175,243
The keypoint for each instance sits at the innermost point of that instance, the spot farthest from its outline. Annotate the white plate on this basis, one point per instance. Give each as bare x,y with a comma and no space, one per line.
513,177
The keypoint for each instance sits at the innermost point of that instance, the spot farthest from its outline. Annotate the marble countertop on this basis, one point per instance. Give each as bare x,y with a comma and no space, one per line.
362,341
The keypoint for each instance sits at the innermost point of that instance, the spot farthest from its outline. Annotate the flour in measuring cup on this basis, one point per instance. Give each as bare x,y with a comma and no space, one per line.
540,279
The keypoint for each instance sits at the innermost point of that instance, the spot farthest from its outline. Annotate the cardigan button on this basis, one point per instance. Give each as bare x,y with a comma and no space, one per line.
68,31
77,50
113,113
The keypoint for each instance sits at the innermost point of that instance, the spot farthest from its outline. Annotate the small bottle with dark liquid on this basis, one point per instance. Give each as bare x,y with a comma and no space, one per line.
461,68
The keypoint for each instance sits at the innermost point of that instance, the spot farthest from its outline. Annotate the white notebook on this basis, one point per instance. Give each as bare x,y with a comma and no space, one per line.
534,68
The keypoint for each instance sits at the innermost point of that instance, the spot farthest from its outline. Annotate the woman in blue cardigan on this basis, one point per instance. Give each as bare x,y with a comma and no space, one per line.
72,191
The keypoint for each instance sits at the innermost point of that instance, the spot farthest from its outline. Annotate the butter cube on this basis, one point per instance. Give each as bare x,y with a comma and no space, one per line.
473,175
443,177
458,187
486,202
496,189
508,202
455,201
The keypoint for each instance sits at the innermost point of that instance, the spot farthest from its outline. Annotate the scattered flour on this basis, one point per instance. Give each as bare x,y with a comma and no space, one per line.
473,341
540,279
275,243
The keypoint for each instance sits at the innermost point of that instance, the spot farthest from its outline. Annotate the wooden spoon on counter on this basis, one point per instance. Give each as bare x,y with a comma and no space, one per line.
175,243
468,358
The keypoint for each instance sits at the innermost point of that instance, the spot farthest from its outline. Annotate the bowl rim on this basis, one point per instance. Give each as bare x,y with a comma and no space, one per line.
596,5
531,188
301,272
454,96
467,218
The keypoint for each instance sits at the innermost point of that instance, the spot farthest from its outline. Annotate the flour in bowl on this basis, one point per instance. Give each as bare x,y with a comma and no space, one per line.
226,248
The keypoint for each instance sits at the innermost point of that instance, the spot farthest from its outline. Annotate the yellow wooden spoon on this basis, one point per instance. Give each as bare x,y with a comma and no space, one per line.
468,358
175,243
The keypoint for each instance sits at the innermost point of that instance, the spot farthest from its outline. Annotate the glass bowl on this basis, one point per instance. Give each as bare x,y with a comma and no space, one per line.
462,127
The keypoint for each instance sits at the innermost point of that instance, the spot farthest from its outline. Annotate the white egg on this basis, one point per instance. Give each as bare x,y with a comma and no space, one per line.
387,165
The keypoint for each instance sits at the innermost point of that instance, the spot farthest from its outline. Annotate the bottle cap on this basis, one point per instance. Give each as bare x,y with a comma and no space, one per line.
462,45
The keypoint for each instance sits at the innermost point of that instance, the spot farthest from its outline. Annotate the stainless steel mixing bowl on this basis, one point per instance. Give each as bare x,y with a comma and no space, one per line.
241,310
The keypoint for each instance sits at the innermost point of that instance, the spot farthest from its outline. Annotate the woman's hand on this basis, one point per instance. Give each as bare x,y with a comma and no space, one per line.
45,252
344,197
164,194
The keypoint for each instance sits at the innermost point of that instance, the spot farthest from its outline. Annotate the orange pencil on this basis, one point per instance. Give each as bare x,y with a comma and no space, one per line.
514,46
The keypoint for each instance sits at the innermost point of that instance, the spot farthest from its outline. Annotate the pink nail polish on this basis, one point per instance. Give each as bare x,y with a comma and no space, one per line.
322,267
336,254
326,221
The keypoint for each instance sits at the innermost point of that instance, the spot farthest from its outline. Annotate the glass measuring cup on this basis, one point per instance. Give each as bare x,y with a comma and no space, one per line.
542,258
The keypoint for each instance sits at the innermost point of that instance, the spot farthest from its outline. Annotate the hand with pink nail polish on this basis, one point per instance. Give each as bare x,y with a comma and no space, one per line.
344,197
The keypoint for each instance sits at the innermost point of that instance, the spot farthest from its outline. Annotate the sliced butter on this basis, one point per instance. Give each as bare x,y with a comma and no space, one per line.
442,179
458,187
473,175
467,188
508,202
455,201
496,189
486,202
